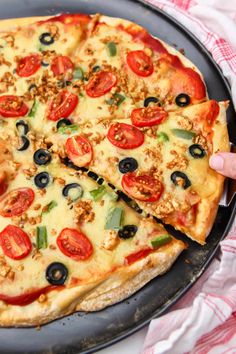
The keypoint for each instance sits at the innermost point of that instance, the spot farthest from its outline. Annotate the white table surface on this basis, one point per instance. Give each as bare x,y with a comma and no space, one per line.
131,345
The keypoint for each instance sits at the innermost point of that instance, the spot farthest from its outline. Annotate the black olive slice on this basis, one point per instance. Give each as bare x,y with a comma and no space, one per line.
182,100
46,38
22,127
129,164
149,100
56,273
127,231
73,190
96,68
63,122
42,157
25,143
41,180
93,175
44,63
197,151
100,181
180,179
32,87
67,162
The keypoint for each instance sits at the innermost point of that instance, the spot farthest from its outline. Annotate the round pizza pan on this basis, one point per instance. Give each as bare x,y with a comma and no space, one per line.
87,332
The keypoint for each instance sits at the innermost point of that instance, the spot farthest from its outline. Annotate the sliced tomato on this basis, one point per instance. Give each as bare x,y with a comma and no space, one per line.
139,34
69,19
136,256
28,66
63,105
61,64
142,187
16,202
3,182
100,83
15,242
28,297
125,136
12,106
3,188
147,117
74,244
211,113
79,150
140,63
183,79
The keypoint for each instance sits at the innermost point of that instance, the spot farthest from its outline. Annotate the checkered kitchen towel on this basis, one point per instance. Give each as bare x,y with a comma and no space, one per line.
204,321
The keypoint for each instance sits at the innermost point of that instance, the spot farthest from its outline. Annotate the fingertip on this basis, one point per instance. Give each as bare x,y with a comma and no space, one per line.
216,162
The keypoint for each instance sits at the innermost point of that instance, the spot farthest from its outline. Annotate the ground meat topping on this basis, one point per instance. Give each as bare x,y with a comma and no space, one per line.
179,161
83,210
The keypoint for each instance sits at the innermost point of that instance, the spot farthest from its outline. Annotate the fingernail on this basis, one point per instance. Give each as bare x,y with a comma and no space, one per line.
217,162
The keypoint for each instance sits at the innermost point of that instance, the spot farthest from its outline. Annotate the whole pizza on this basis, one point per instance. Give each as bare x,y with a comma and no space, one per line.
103,130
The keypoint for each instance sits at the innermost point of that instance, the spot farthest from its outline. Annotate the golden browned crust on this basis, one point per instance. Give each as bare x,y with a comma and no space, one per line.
96,296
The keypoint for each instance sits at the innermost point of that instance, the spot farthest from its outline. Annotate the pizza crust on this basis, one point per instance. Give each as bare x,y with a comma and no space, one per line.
96,296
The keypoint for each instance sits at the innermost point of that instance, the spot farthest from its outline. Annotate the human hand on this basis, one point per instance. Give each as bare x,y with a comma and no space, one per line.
224,163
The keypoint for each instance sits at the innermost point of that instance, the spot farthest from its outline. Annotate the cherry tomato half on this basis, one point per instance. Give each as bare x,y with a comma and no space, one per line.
28,66
16,202
12,106
15,242
147,117
142,187
74,244
63,105
79,150
125,136
101,83
61,64
140,63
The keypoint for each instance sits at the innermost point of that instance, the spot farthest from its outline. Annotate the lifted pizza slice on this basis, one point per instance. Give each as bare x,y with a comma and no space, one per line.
161,163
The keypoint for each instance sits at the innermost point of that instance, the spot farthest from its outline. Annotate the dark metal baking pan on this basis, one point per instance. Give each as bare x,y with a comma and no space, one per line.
83,332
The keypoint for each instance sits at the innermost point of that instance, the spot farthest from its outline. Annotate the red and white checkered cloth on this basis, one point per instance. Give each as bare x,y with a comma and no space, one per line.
204,321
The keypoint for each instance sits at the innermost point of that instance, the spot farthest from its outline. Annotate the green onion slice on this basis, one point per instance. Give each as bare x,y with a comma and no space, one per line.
49,207
117,99
42,237
162,137
78,74
184,134
114,219
160,241
111,46
68,129
98,193
33,110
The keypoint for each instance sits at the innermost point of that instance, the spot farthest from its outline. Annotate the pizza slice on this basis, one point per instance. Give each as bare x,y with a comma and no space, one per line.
90,67
162,164
67,243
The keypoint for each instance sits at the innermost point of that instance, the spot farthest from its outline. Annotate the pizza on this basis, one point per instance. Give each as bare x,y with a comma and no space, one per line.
104,130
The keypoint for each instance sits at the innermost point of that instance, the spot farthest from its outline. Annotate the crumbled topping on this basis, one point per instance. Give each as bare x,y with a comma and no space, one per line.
201,140
184,123
83,210
179,161
9,38
53,30
42,298
3,61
